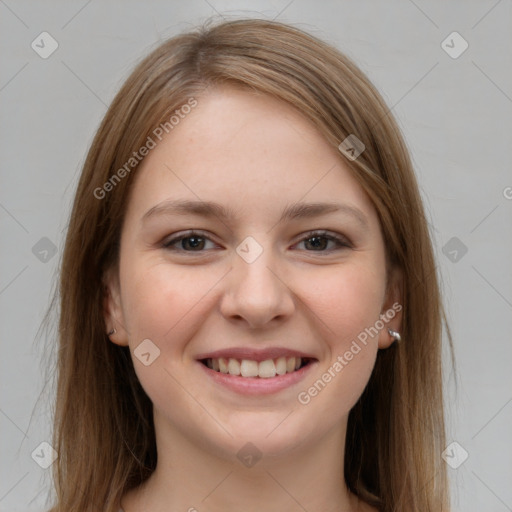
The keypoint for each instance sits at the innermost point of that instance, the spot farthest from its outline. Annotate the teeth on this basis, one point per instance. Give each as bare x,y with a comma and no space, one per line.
281,365
267,369
248,368
223,365
234,367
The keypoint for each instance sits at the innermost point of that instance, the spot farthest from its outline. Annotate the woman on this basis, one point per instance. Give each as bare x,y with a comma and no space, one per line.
250,313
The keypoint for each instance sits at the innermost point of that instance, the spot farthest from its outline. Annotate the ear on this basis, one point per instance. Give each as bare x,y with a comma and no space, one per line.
392,308
112,308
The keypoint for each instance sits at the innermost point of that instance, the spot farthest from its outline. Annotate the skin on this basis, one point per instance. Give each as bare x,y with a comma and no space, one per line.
255,155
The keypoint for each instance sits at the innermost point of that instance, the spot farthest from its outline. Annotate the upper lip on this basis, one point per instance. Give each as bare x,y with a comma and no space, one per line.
253,354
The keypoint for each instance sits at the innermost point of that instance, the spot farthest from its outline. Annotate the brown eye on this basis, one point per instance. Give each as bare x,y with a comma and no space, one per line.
319,242
190,242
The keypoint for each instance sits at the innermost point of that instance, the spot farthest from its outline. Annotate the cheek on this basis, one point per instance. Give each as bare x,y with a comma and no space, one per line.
347,303
346,300
164,302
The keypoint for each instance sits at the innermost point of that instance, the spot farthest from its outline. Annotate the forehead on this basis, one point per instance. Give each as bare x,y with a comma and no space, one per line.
248,150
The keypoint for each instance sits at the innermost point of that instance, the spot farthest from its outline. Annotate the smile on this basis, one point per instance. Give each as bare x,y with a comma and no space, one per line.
267,369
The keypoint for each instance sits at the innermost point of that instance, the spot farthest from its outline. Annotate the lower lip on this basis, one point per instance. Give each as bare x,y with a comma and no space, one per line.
258,385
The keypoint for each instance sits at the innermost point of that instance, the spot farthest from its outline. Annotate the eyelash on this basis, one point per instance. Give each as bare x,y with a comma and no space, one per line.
342,242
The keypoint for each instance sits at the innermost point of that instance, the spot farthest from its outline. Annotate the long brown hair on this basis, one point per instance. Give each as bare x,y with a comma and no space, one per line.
103,430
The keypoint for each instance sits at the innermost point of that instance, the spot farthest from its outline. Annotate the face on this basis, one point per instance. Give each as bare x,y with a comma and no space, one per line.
248,246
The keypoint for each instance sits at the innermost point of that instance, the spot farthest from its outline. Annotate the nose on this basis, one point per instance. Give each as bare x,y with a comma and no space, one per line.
257,293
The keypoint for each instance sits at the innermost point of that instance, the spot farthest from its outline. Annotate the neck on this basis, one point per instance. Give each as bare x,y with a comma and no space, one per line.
192,478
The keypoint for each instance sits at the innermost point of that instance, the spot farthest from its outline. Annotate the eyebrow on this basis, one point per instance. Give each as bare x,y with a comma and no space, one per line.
291,212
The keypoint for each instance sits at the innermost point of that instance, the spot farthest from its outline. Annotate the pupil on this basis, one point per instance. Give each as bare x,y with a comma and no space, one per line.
318,242
193,242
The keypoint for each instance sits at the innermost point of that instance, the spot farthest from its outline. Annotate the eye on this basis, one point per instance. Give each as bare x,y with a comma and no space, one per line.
192,241
318,241
196,241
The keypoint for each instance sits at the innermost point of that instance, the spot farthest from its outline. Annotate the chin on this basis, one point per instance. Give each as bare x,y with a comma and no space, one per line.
271,435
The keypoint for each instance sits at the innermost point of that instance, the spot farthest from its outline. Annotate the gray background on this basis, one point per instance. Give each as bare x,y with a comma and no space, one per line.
456,117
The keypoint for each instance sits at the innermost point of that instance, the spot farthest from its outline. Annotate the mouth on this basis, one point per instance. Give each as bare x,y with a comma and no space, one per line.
249,368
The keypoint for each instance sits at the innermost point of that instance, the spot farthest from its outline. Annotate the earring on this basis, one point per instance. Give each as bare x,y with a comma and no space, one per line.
395,335
113,331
